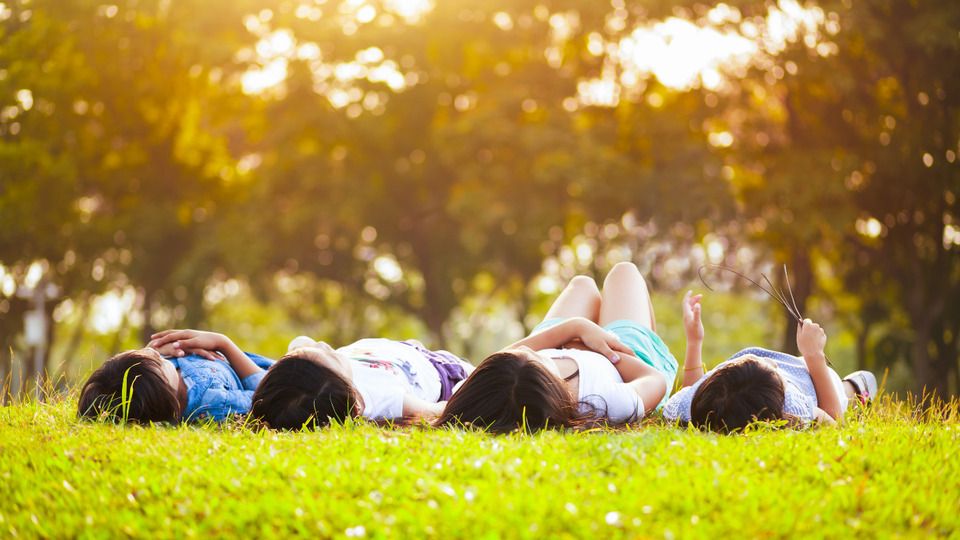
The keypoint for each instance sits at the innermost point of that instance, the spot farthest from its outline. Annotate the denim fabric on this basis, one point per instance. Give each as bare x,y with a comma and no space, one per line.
214,391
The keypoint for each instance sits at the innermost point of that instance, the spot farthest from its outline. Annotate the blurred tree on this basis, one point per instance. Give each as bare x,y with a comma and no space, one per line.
903,62
455,145
44,230
418,156
787,165
163,179
113,160
845,138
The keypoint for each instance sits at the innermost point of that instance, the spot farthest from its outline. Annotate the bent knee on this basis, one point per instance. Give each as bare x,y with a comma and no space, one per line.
624,269
585,283
625,274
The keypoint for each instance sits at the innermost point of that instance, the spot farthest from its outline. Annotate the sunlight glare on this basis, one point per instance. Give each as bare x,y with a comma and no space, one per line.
721,139
503,20
951,236
34,273
8,284
870,227
255,81
308,51
600,92
411,11
684,54
547,285
564,25
678,52
370,55
387,267
25,97
366,14
108,310
279,43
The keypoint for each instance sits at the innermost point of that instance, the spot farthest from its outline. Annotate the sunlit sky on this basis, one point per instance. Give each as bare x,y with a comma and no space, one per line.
680,53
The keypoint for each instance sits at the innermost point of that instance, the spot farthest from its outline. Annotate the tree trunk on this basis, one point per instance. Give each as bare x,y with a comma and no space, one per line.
435,321
147,330
861,350
117,346
931,361
925,311
6,374
525,303
49,339
63,372
946,358
435,308
801,281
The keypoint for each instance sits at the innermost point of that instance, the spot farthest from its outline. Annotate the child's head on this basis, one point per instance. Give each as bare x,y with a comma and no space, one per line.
307,388
738,393
510,390
152,387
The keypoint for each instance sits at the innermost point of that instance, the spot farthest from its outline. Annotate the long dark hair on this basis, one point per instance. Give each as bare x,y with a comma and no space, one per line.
507,392
298,392
147,396
736,395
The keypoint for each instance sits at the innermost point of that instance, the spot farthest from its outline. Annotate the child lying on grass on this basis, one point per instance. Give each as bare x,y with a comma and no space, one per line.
761,385
595,358
378,379
182,375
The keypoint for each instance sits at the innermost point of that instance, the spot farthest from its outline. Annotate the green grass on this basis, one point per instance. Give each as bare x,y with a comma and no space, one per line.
885,472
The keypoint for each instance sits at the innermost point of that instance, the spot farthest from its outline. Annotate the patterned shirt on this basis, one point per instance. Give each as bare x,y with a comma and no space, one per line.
385,370
800,396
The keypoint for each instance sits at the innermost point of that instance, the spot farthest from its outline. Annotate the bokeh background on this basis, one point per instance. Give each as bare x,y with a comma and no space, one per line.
439,169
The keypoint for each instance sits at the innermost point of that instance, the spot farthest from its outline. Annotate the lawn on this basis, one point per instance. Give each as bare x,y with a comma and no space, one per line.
885,472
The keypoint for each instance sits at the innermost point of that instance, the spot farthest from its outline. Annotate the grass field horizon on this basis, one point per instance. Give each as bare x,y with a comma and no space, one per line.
890,470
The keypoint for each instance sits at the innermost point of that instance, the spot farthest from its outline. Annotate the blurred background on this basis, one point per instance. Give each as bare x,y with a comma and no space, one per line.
439,170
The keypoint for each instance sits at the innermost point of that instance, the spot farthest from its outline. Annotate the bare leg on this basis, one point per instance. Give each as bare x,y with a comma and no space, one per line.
653,317
625,296
580,298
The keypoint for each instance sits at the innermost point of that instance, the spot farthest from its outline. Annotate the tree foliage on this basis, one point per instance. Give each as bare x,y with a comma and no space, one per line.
415,159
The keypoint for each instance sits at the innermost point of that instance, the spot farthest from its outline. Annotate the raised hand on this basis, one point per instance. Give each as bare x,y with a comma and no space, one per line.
811,339
692,324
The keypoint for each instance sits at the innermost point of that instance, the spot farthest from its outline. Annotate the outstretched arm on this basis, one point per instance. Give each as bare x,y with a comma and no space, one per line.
576,328
693,327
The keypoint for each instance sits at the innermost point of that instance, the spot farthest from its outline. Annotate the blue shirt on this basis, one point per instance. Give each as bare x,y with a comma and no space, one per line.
214,390
800,396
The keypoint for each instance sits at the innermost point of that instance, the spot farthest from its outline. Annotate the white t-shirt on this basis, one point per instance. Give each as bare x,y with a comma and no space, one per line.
384,370
602,389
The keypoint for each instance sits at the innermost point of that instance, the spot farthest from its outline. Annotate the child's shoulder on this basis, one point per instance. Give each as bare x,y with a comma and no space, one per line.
764,353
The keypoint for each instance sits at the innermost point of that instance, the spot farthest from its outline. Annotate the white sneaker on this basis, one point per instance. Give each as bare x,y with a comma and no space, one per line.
864,384
301,341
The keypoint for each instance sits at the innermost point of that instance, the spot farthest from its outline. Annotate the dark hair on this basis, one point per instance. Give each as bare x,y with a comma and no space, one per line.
149,398
508,392
736,395
299,392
